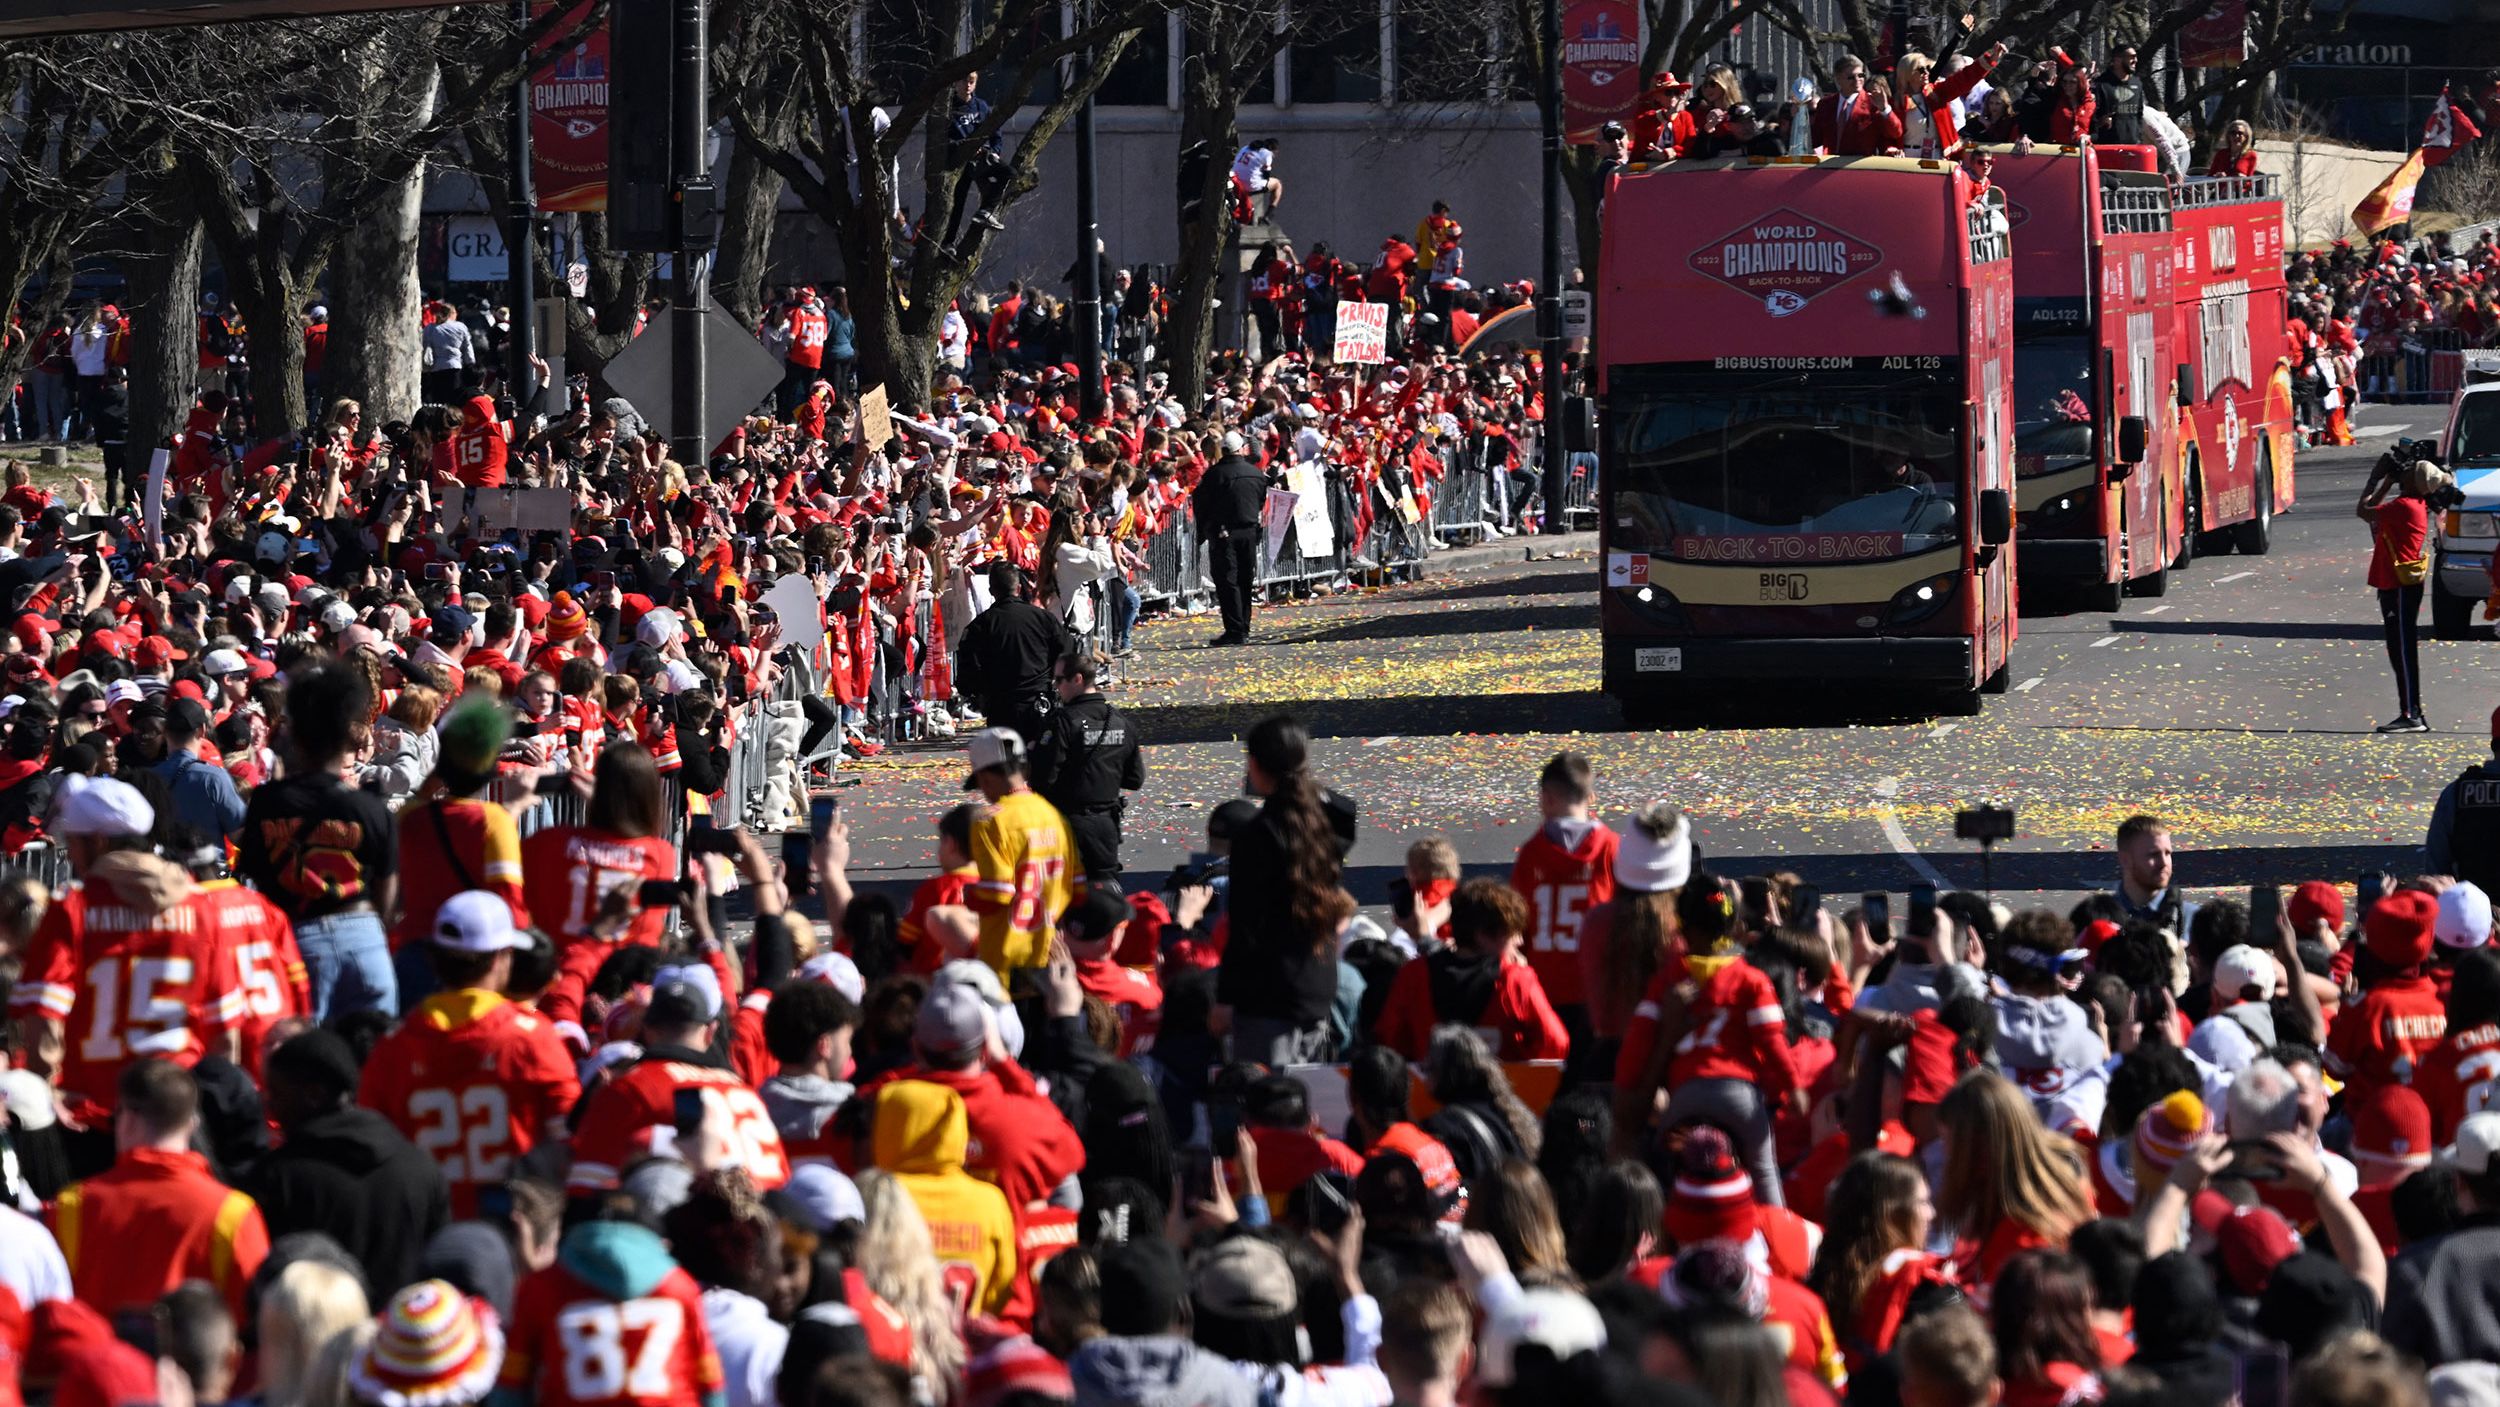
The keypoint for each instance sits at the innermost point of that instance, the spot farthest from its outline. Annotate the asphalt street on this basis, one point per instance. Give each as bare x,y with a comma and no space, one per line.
2239,707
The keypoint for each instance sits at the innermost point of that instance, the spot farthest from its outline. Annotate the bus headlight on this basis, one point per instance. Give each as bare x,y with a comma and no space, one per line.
2473,525
1923,599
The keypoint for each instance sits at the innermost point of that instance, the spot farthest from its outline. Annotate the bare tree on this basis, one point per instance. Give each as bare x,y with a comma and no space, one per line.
287,132
847,161
66,137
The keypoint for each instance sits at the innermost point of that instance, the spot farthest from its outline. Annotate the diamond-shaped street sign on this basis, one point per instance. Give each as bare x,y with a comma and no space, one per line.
738,374
1785,259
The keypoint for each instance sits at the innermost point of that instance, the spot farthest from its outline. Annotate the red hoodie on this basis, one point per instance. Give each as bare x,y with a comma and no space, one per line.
2383,1037
477,447
1562,882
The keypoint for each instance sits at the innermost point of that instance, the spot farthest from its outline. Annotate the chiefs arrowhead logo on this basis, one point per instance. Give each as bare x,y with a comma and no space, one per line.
1785,259
579,127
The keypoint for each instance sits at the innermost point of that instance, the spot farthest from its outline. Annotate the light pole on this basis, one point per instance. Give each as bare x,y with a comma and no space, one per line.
1549,281
1088,264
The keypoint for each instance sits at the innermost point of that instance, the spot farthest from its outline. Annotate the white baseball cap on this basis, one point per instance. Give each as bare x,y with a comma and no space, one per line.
2464,916
2478,1138
658,628
992,747
477,922
219,663
836,970
101,806
2242,966
1561,1322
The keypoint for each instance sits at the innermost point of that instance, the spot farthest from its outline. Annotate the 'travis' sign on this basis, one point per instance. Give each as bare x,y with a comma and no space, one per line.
1785,259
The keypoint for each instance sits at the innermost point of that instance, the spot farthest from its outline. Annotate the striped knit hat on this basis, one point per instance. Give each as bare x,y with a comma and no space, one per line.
435,1347
1713,1197
2163,1135
566,620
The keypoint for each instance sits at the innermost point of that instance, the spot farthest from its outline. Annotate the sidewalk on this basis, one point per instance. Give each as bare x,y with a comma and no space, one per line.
1523,548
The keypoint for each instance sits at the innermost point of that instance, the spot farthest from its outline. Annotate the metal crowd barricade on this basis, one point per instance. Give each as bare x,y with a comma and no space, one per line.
45,866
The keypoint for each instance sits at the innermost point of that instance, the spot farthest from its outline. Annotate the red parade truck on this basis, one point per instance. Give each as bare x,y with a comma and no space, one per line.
2235,381
1807,469
2099,488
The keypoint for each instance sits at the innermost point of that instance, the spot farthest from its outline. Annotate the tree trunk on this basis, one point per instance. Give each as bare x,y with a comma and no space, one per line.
1210,113
748,208
163,304
375,303
274,336
375,300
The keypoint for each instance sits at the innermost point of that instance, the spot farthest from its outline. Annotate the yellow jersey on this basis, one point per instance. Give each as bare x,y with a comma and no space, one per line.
1021,858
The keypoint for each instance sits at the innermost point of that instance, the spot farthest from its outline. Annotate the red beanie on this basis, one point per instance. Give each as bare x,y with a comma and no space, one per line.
2398,930
1713,1197
2313,901
2390,1122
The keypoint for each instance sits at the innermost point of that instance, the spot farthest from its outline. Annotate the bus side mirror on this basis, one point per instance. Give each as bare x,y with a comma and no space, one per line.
2130,440
1996,517
1580,425
2187,384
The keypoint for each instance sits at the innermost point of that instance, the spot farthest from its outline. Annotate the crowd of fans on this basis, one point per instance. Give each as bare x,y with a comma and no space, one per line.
408,1033
2366,319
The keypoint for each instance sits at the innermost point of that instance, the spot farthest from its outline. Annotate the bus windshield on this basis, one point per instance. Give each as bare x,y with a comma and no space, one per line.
2052,403
1845,469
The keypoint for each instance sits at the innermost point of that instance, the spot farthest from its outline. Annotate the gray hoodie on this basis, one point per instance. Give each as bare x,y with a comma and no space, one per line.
801,1105
2045,1033
1159,1370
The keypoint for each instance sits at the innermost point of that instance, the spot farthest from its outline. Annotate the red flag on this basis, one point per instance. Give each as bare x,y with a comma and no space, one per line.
2447,129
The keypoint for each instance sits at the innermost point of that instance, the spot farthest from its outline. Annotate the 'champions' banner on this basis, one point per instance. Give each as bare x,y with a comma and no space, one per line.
1601,65
569,121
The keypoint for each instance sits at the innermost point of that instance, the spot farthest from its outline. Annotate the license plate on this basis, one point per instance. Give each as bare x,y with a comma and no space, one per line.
1663,661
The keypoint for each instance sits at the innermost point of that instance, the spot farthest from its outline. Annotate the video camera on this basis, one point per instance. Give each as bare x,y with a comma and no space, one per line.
2406,452
1197,869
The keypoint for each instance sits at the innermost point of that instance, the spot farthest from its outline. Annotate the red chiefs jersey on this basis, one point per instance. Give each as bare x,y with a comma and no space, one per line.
621,1119
569,1345
1560,885
2382,1037
268,966
2460,1076
473,1080
1734,1030
566,871
807,337
127,982
1133,996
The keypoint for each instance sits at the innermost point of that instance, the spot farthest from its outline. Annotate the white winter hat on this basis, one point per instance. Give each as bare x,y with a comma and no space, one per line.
2464,917
1657,851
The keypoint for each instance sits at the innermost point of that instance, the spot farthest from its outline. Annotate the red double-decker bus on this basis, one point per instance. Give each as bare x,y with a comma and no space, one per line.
1806,366
2235,380
2097,457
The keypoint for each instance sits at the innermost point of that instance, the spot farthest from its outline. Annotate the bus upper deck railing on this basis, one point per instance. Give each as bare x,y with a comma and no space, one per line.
2129,208
2197,191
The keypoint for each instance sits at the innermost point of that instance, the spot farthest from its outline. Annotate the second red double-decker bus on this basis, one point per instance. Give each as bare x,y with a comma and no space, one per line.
1806,366
2096,444
2235,383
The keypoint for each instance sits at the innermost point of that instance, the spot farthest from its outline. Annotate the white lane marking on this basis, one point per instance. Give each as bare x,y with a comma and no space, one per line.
1383,741
2157,610
2235,576
1886,788
2104,640
1942,731
2032,683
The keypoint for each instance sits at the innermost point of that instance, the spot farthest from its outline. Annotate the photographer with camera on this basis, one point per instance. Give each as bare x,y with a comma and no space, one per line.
2400,563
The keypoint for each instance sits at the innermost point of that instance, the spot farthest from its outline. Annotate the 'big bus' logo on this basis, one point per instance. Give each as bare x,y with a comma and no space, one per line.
1785,259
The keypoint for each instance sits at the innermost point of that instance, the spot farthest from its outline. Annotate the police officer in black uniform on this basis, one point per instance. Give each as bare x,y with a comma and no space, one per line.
1003,663
1227,505
2465,825
1084,761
